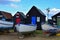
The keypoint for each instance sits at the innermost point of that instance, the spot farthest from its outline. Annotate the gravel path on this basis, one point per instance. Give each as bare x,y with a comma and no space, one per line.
13,36
10,36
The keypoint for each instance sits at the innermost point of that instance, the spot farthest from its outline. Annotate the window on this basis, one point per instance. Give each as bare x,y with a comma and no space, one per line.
54,19
38,19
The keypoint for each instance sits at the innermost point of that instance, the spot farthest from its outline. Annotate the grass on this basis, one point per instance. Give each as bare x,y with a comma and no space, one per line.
39,37
38,31
11,30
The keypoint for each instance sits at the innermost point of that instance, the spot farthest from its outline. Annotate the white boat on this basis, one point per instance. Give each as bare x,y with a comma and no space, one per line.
50,29
25,28
47,27
5,24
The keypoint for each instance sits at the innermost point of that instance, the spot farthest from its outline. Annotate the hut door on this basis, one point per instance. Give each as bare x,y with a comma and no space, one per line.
58,21
33,20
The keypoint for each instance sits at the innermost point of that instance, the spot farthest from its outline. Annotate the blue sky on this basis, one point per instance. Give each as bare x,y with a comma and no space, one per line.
24,6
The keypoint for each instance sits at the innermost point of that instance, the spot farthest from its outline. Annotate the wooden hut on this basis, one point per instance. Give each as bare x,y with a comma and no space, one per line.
5,16
22,17
56,19
35,16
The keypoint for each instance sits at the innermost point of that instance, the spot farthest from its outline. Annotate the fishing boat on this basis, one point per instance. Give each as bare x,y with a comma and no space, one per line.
6,24
25,28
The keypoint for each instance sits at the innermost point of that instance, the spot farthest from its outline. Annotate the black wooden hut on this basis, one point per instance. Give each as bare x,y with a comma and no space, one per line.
5,16
56,19
35,16
22,17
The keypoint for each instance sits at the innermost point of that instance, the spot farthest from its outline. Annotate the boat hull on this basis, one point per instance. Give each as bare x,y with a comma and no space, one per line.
5,24
25,28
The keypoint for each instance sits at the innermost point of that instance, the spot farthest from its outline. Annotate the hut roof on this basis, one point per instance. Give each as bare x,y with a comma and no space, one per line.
6,15
56,14
37,10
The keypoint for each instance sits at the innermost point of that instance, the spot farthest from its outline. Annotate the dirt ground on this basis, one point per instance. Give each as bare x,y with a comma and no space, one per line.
13,36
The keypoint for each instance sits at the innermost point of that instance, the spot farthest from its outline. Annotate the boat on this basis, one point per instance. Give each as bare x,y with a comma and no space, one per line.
25,27
48,27
6,24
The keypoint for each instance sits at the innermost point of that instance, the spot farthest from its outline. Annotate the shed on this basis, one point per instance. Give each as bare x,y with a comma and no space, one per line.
56,19
22,17
5,16
35,16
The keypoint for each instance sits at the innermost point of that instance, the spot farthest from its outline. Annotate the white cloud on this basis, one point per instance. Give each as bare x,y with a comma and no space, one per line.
13,5
52,12
4,2
10,3
14,0
10,0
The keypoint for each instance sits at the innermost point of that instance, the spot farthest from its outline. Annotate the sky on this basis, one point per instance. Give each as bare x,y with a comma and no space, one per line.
12,6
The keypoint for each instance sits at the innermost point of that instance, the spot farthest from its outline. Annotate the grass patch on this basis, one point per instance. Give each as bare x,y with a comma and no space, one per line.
11,30
38,31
